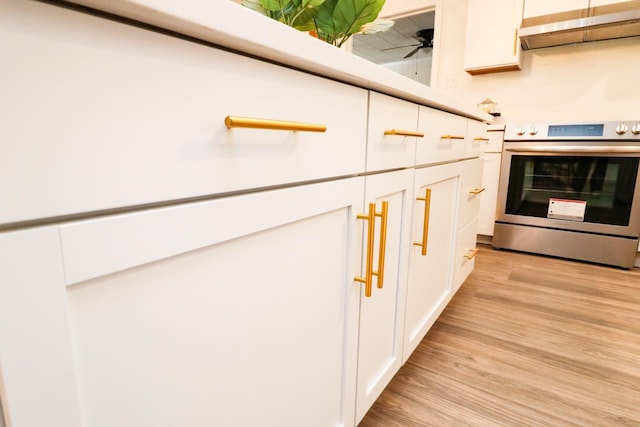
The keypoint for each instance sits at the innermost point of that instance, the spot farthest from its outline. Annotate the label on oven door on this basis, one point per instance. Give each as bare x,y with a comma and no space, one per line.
572,210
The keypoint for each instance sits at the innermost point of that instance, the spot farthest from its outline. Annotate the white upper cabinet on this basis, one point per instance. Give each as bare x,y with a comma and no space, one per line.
492,36
533,8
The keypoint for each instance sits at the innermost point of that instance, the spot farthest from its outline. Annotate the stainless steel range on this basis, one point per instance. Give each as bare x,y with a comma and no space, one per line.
570,190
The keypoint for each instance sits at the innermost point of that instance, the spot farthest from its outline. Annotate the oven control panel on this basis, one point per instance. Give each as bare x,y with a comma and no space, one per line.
628,130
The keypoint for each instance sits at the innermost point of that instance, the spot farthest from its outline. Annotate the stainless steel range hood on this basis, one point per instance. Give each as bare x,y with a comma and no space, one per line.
590,28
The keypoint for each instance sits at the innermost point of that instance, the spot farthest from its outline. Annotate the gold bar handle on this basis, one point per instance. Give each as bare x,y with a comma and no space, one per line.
368,279
515,42
472,253
477,190
253,123
480,139
425,227
383,241
404,133
451,137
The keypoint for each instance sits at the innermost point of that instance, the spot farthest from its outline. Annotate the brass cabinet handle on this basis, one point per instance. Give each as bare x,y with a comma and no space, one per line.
370,217
477,190
451,137
383,242
515,42
481,139
425,227
472,253
253,123
403,133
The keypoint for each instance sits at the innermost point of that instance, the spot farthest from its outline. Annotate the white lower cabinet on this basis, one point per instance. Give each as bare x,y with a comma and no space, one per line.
231,312
490,179
382,314
433,229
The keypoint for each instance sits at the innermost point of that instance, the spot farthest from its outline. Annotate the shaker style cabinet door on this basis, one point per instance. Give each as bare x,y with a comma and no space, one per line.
433,227
37,378
239,311
382,313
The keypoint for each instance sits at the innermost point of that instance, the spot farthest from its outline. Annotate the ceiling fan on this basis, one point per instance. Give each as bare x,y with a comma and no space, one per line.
425,37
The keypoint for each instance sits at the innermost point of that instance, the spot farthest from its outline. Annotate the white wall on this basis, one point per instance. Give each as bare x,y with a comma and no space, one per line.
589,81
417,67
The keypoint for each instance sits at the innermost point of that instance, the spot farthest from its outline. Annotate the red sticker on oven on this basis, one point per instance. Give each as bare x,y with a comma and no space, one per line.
572,210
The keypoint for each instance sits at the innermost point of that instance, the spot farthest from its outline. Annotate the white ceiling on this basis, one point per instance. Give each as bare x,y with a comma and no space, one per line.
403,33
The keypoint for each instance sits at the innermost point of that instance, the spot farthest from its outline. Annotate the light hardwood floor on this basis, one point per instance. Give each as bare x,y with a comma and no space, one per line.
527,341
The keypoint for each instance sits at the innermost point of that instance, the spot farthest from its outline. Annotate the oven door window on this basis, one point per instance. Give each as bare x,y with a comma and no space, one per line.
606,184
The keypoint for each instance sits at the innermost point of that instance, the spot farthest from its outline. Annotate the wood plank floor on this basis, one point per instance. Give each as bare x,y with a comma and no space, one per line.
527,341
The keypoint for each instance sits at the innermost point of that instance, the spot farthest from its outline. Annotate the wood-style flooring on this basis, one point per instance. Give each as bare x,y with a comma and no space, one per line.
527,341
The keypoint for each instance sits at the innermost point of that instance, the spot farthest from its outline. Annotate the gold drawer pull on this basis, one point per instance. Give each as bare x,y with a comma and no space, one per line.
451,137
370,217
425,226
472,253
477,190
480,139
253,123
403,133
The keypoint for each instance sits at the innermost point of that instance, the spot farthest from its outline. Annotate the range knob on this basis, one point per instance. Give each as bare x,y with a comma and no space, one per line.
622,128
520,130
533,130
636,129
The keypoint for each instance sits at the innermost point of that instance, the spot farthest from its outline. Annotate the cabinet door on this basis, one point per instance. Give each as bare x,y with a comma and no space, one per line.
465,252
492,36
429,280
471,190
382,314
37,380
238,311
490,178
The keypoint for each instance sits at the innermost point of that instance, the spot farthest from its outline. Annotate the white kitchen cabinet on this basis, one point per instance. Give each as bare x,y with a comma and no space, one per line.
37,381
433,231
471,193
140,117
465,252
392,132
536,8
382,313
490,180
230,312
444,136
471,190
492,43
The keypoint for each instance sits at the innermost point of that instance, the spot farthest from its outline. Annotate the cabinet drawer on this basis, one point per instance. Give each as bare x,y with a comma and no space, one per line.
471,190
391,123
477,138
496,139
464,257
444,136
127,116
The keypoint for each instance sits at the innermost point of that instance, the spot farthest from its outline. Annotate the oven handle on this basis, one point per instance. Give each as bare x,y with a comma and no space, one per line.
587,149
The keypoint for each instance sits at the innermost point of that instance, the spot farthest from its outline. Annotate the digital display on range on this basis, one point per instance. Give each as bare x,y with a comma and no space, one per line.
576,130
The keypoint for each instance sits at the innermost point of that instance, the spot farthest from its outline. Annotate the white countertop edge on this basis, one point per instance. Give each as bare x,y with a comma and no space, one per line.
228,24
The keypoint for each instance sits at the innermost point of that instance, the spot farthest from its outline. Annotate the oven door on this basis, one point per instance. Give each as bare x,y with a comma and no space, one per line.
573,186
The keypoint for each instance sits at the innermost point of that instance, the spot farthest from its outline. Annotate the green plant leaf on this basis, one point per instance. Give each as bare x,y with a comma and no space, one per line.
324,18
350,15
275,5
254,5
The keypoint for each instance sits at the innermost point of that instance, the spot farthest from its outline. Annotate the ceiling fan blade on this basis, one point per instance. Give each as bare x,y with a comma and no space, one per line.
399,47
413,52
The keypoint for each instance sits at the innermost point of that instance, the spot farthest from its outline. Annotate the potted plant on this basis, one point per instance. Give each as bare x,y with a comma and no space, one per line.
333,21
